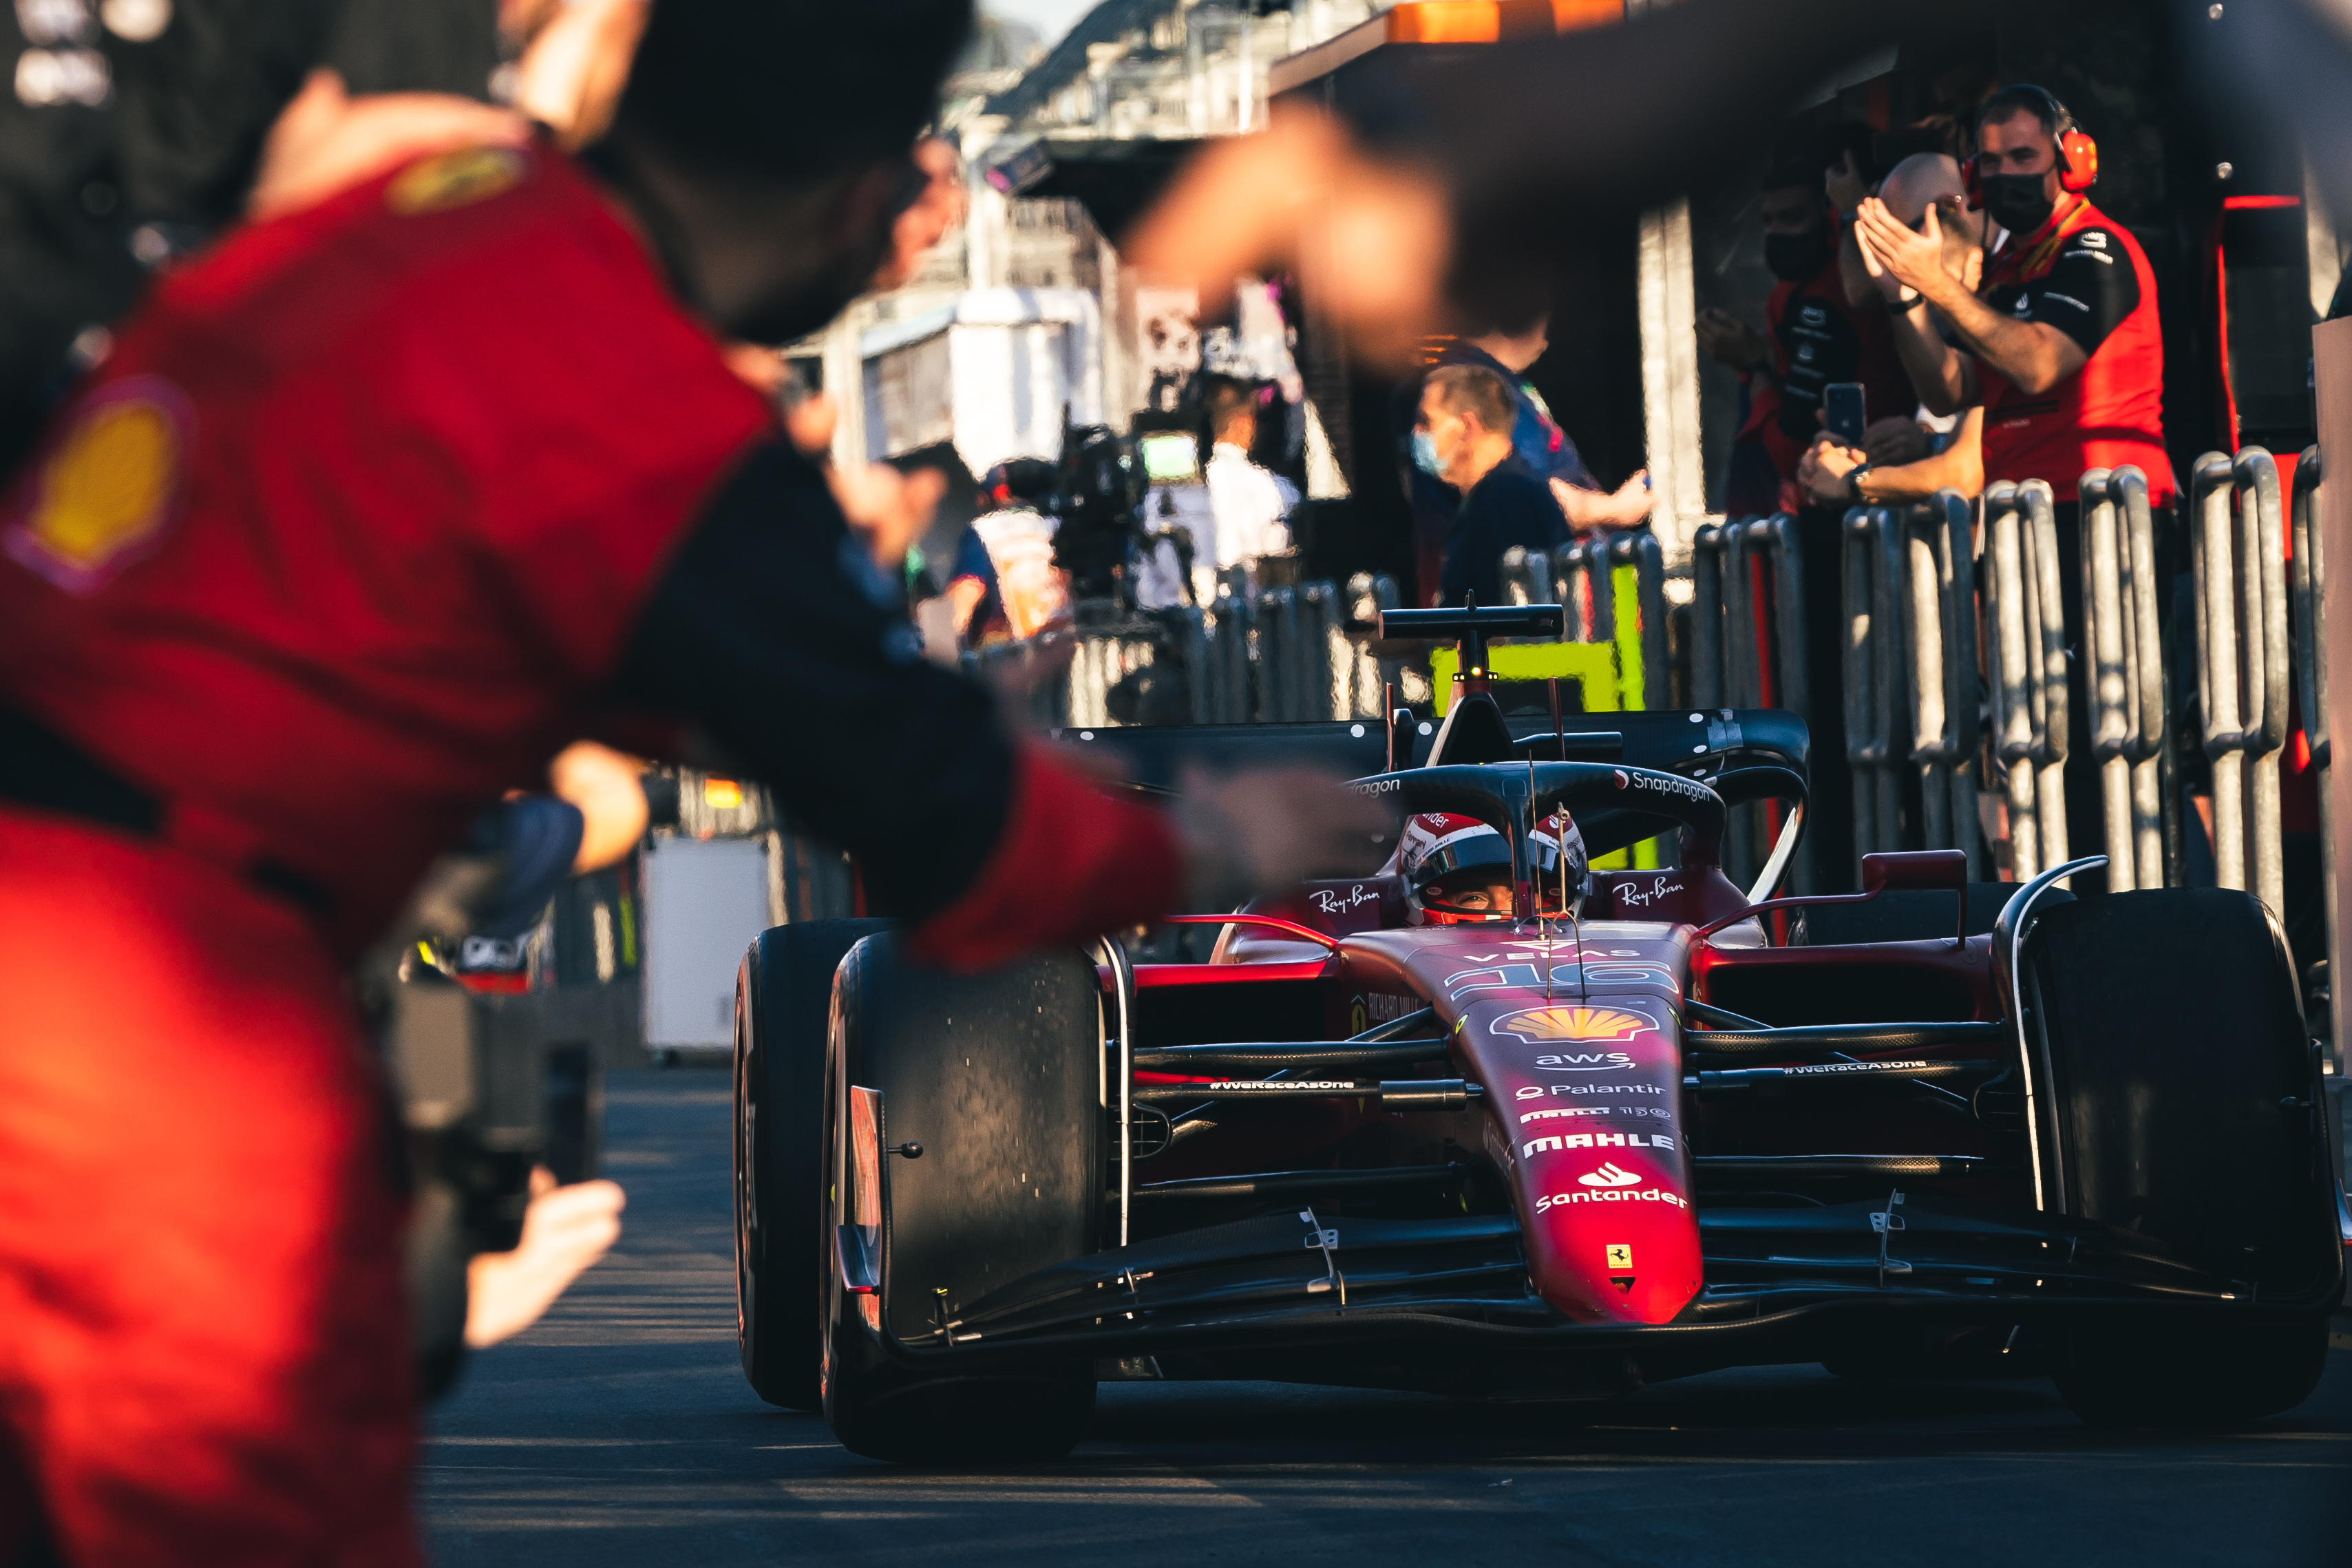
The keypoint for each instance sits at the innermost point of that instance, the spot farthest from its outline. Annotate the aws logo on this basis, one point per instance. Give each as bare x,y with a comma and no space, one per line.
1544,1026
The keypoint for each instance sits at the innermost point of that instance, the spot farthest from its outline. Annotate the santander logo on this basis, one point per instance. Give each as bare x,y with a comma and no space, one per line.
1611,1175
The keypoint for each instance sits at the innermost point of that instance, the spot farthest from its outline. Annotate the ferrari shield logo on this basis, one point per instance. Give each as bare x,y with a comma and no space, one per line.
1542,1026
108,485
455,179
1621,1258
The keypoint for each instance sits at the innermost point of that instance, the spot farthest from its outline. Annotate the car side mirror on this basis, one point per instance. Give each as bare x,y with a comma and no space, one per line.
1915,869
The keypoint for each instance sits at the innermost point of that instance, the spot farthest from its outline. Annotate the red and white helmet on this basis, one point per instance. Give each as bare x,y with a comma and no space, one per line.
1456,870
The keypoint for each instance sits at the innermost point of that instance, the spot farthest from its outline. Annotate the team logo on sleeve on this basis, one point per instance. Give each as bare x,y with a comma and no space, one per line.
107,485
455,179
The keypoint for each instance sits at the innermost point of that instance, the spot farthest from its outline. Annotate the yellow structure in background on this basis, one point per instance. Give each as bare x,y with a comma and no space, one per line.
1607,677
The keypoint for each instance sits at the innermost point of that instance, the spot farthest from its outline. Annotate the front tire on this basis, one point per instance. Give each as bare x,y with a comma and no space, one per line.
783,995
997,1077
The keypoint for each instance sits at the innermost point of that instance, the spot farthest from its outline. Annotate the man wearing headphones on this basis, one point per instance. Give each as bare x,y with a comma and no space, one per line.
2059,345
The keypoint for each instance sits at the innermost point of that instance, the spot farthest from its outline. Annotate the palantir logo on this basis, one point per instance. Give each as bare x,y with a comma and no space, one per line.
1610,1175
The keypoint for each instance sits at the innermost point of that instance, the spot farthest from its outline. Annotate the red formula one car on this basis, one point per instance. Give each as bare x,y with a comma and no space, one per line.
1491,1124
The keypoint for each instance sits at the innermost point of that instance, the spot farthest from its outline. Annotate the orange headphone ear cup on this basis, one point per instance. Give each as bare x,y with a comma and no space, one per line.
2081,157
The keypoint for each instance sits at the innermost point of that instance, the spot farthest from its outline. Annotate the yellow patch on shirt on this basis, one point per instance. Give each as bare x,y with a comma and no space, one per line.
455,179
106,488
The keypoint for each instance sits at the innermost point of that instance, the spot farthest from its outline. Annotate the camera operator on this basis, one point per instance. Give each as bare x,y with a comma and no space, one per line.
1247,503
246,699
464,1294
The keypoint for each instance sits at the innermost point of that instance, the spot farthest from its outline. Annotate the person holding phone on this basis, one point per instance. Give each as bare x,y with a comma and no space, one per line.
1817,336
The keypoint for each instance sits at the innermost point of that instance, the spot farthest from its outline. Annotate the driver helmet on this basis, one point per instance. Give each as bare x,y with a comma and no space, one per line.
1557,838
1456,870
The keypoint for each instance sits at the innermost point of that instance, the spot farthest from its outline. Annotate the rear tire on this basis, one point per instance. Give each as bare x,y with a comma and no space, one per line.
2132,1373
2189,1118
783,995
997,1078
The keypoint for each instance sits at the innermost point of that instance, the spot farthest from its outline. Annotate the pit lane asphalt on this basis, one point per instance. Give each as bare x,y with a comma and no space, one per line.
620,1431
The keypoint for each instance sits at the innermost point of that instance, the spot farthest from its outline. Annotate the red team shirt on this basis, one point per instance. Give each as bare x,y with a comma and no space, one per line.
2088,277
356,523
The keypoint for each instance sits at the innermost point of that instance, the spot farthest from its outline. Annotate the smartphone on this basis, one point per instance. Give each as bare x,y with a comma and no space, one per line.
1843,414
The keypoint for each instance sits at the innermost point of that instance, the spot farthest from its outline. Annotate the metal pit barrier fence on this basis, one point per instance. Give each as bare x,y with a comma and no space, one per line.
2238,555
1283,656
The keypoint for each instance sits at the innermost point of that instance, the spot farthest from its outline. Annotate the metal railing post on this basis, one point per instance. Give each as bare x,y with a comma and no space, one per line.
2046,615
1945,689
1854,651
1233,645
1196,656
2261,566
1525,576
2241,665
2122,635
2210,486
1643,644
1324,650
1790,689
2016,672
1873,670
2311,688
1706,615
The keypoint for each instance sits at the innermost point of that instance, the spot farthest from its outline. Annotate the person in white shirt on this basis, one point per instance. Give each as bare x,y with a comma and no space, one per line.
1248,503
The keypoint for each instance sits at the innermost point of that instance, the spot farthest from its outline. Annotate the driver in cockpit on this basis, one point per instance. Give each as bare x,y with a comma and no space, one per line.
1458,869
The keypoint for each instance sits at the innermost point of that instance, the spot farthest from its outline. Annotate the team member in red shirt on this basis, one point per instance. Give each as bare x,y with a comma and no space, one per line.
2061,345
1817,334
370,511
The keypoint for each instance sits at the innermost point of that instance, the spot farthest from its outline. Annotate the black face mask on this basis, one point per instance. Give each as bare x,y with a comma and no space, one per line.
2016,201
1794,258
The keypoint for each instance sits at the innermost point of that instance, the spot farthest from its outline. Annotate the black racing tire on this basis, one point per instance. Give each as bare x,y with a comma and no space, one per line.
2144,1373
997,1077
784,997
2189,1118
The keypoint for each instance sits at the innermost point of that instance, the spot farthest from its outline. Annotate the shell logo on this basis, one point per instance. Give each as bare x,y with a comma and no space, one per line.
108,486
1539,1026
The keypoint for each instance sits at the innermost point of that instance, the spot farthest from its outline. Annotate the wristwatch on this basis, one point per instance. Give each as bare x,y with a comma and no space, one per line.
1902,303
1853,486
